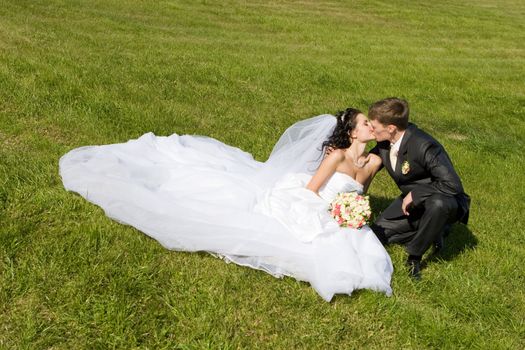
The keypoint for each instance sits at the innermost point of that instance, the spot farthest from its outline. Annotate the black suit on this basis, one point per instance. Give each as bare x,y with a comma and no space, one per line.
423,168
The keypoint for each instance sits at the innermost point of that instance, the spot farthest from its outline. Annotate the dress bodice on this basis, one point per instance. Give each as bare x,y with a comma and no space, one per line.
339,182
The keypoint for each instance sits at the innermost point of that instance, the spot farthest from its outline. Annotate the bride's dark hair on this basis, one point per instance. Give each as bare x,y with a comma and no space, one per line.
346,122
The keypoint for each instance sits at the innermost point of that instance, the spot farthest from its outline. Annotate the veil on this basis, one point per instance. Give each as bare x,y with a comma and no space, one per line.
299,150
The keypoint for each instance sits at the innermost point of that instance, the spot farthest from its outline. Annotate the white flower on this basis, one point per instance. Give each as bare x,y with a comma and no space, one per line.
354,209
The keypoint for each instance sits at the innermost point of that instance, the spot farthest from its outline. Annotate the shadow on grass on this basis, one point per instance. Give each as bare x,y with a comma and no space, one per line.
379,204
459,240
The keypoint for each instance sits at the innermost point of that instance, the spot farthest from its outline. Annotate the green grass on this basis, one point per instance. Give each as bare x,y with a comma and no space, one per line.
75,73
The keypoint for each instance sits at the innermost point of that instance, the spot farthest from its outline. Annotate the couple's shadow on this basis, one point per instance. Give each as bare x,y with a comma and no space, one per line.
459,240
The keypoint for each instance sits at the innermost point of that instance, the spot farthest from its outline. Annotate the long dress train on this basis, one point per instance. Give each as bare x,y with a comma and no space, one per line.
194,193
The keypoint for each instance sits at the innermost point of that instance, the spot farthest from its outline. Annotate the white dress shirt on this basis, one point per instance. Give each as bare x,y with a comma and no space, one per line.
394,150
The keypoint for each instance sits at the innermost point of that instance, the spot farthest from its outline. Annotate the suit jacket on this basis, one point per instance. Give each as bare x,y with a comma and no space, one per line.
424,168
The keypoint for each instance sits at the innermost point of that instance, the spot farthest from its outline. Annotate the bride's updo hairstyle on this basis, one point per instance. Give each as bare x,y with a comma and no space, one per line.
346,122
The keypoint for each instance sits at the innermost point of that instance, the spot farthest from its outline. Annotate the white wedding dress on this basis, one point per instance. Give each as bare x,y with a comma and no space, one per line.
194,193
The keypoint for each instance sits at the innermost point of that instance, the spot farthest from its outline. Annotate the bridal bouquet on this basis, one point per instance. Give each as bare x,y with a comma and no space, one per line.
350,209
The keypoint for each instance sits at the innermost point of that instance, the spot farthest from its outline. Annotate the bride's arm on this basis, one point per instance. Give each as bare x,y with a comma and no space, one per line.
325,171
372,167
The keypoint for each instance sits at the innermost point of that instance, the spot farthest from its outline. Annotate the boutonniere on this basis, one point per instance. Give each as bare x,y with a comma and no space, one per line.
405,167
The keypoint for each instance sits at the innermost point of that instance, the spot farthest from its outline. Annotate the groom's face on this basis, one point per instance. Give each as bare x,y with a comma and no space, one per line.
380,131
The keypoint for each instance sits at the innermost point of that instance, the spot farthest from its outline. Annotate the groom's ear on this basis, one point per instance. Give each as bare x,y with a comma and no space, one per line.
391,128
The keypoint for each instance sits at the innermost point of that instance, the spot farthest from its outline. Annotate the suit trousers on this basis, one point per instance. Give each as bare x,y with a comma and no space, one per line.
422,227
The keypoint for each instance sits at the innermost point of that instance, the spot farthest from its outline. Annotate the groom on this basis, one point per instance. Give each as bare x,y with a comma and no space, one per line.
432,197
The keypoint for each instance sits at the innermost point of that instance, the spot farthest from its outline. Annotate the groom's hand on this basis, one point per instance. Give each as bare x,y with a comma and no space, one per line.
407,201
328,151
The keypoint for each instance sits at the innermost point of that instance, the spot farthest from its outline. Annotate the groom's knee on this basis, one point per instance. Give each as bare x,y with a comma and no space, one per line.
438,203
441,205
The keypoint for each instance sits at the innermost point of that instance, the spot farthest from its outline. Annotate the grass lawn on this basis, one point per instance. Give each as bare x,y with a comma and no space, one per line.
75,73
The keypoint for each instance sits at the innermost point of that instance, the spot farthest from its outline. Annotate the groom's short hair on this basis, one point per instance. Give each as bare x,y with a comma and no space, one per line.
391,110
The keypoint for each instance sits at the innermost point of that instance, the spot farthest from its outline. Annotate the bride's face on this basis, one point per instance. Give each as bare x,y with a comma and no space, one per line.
362,131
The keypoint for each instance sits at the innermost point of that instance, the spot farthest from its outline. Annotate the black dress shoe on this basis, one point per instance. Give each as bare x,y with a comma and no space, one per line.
446,230
439,245
414,269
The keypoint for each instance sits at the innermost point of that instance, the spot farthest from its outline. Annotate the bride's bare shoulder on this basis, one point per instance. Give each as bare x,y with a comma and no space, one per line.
336,155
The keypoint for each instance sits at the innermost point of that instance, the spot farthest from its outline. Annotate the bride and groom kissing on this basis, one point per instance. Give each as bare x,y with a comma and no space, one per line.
195,193
432,196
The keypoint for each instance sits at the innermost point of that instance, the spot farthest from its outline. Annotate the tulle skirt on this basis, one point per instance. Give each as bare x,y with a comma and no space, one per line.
194,193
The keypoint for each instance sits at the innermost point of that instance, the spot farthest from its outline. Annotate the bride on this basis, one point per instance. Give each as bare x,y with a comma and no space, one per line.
194,193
